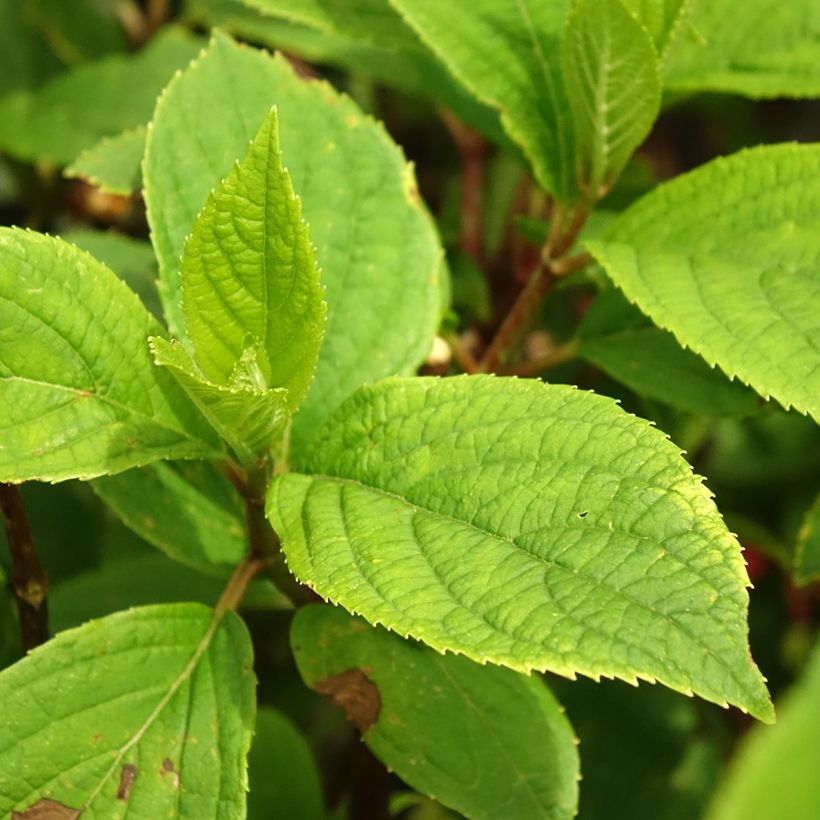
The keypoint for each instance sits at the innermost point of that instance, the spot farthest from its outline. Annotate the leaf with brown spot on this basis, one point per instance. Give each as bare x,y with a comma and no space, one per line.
46,809
127,777
356,694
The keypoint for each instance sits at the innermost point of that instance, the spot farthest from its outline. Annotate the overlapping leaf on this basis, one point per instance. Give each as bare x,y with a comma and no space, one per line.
80,394
613,81
144,713
529,525
807,551
727,257
663,19
375,244
486,741
507,55
112,164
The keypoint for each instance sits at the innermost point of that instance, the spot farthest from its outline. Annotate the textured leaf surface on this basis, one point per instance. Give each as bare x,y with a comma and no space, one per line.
486,741
75,110
727,257
80,393
612,78
356,44
774,773
187,510
623,342
379,255
663,19
249,277
113,164
507,54
247,417
758,48
131,259
529,525
146,713
282,772
807,552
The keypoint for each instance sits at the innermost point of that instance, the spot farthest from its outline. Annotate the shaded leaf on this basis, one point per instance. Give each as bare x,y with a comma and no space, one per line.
807,551
147,712
726,257
507,55
484,740
112,164
81,395
529,525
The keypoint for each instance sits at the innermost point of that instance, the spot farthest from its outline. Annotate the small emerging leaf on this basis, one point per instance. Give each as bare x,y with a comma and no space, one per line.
486,741
113,164
612,78
144,713
530,525
249,276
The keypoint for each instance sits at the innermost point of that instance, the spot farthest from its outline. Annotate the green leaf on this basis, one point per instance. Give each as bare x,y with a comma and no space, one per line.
80,393
282,772
141,580
249,277
26,61
113,164
756,48
354,43
525,524
486,741
75,110
663,19
612,78
807,552
379,254
726,257
247,417
507,56
145,713
189,511
616,337
774,773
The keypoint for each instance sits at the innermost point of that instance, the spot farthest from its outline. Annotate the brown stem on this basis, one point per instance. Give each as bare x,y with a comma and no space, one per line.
465,359
27,576
570,264
155,15
558,355
473,150
235,590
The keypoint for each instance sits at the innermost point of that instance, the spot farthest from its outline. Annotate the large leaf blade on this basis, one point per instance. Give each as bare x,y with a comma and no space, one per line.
80,393
484,740
534,526
147,712
379,253
507,55
727,258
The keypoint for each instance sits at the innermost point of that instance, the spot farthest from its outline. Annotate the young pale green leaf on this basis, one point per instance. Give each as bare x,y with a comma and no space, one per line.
131,259
615,336
774,773
380,257
726,257
80,393
807,552
188,510
663,19
612,77
282,772
113,164
507,55
486,741
530,525
756,48
249,277
146,713
247,417
75,110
